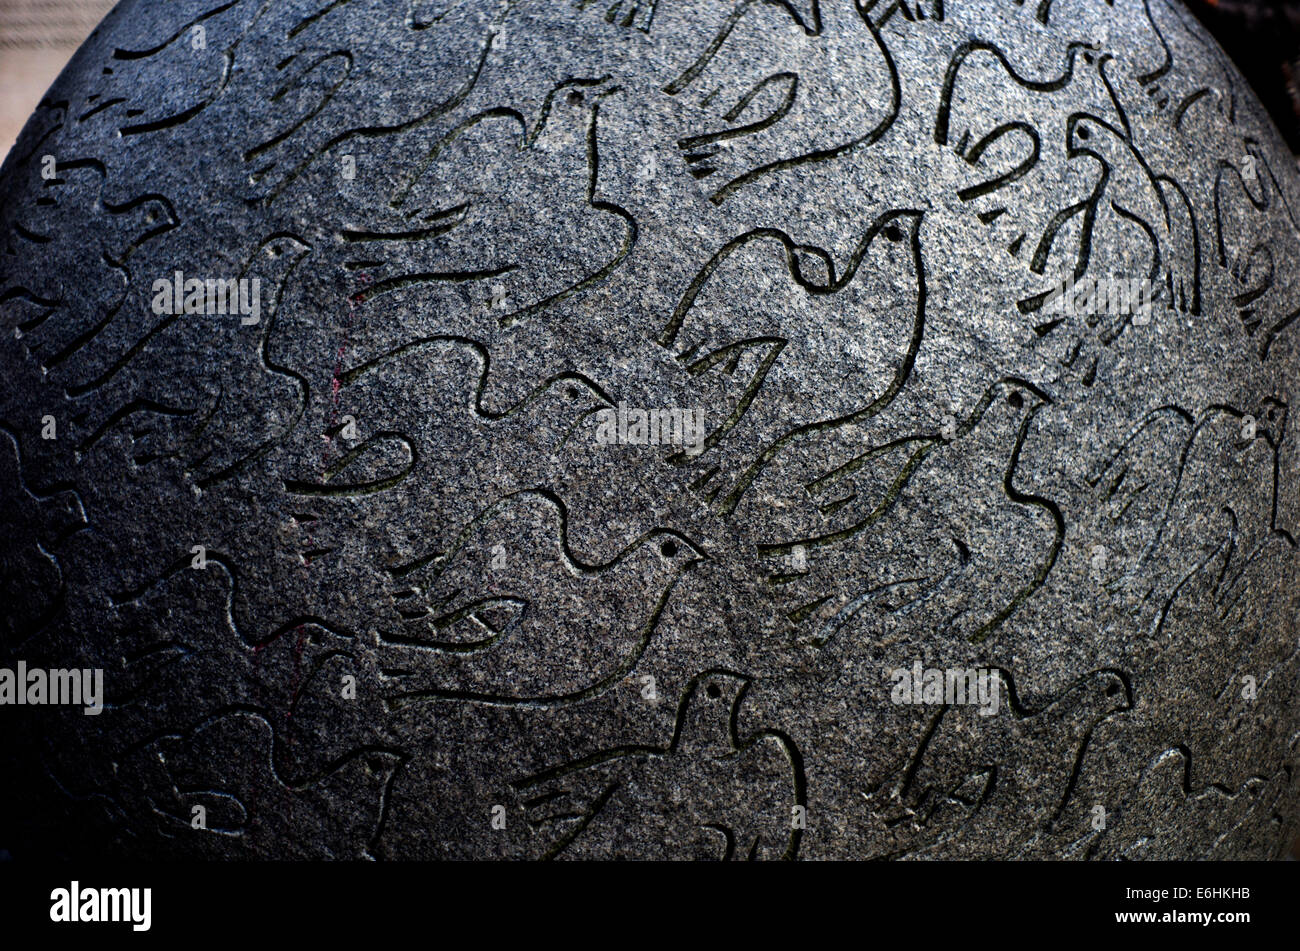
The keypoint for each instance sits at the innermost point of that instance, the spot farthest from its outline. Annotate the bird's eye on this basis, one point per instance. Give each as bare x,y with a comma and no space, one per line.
273,250
1089,58
1015,399
714,691
1083,132
1112,690
893,232
572,392
668,548
574,97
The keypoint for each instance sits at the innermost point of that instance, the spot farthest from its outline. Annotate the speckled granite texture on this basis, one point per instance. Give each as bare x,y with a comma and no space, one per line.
626,403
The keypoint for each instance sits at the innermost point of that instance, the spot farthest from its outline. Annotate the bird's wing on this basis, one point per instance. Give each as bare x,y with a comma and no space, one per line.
1182,255
978,120
1131,490
959,743
764,92
821,496
473,594
1228,478
374,464
728,381
879,594
560,803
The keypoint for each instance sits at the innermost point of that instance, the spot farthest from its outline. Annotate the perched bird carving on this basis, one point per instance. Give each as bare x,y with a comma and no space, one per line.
432,238
1129,492
413,395
1004,125
993,546
1218,812
1157,204
310,111
1255,228
63,325
711,792
969,780
1034,138
1225,498
730,334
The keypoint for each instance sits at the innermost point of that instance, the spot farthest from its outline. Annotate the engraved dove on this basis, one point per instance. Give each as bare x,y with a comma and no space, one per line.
969,779
766,94
730,334
509,614
709,793
961,582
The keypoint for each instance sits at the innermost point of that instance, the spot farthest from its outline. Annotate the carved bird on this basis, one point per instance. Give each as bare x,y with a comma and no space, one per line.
970,778
709,793
495,219
766,92
509,614
731,335
1130,191
404,417
1225,498
1255,228
953,547
224,765
1009,127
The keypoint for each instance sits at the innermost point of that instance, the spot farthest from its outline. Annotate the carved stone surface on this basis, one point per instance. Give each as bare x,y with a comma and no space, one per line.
366,577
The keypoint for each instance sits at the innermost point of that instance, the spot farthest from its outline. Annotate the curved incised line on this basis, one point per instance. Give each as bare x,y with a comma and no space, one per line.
981,46
1015,174
839,151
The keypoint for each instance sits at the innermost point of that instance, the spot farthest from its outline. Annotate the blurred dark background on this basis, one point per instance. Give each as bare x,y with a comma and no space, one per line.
1263,39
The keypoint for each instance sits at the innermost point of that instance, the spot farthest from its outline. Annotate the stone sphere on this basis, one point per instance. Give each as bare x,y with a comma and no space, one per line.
650,428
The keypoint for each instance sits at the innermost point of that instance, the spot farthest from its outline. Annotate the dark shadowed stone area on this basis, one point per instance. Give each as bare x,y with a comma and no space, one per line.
366,577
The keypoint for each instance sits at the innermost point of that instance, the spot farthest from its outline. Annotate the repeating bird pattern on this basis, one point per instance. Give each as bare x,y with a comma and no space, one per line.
371,554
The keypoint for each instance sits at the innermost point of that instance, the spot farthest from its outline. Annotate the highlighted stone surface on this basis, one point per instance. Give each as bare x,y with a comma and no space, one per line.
640,396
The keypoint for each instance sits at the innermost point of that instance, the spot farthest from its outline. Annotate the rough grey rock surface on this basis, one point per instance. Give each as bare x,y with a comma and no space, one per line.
830,227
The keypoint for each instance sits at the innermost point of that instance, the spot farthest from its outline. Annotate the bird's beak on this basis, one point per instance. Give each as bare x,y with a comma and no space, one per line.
581,422
695,556
1111,110
698,557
